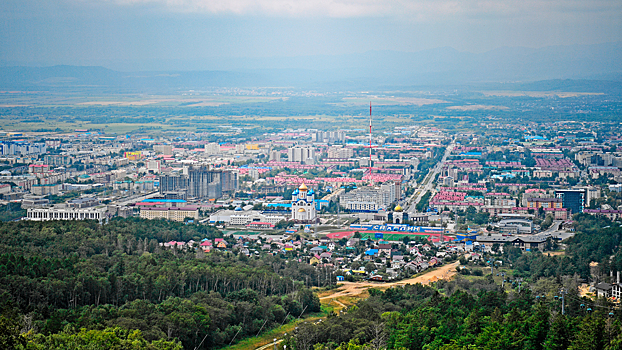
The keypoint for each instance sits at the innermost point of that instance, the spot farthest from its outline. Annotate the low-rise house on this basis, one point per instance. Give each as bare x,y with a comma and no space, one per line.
371,254
415,266
603,290
434,262
316,250
326,255
206,246
220,243
397,257
384,248
352,242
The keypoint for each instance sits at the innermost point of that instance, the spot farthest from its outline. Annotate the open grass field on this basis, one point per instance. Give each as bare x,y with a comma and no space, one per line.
387,101
47,99
477,107
560,94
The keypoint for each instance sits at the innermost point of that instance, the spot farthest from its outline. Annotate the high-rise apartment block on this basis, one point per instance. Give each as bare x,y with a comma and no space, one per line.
164,149
573,200
329,136
212,148
275,156
301,154
11,148
200,182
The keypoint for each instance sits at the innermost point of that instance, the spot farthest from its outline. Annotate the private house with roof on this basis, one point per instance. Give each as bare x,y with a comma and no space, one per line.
371,254
220,243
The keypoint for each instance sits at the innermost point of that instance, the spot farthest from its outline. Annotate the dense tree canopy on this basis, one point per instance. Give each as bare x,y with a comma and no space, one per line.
85,275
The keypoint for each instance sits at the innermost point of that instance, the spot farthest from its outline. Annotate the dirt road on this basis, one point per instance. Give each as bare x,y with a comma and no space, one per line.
355,288
268,346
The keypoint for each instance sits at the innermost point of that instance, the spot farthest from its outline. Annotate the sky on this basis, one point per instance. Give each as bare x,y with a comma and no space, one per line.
204,34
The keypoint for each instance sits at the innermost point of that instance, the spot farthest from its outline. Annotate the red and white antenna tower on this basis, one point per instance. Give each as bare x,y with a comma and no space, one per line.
371,181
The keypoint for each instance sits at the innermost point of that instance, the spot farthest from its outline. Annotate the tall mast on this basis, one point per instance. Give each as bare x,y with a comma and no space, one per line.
371,181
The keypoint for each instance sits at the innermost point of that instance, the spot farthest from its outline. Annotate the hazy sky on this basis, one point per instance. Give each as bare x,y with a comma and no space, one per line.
95,31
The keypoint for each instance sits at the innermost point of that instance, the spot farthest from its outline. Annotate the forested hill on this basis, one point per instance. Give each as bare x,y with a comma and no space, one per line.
478,313
59,277
81,285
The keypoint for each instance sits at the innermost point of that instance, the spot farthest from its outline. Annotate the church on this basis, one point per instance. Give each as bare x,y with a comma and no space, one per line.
303,206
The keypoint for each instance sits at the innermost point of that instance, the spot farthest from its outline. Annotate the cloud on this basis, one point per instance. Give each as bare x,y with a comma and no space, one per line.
414,9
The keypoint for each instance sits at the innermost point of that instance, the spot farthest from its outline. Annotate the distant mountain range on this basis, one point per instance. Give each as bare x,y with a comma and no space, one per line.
370,70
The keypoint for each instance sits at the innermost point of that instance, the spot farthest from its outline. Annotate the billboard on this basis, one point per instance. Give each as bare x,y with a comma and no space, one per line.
133,155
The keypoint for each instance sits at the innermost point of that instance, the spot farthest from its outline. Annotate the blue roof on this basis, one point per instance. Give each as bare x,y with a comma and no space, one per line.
284,205
164,200
371,252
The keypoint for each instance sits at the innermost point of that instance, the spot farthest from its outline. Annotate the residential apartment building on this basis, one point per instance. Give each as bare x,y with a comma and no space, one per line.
340,152
170,213
301,154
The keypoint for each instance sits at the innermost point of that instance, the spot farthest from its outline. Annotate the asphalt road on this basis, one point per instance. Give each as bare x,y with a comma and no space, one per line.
428,182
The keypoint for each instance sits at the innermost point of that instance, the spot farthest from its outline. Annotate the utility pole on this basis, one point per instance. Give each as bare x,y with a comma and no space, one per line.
371,181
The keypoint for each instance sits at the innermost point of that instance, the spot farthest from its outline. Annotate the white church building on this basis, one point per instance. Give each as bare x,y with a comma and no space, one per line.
303,205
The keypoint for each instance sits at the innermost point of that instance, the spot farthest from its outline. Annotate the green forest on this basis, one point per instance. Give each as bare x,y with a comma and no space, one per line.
68,281
482,317
478,313
82,285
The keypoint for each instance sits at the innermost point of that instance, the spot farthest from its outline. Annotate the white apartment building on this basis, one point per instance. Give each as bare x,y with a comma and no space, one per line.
362,206
170,213
340,152
243,217
212,148
47,214
153,165
382,197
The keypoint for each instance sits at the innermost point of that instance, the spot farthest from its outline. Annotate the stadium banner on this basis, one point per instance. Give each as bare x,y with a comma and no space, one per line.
398,228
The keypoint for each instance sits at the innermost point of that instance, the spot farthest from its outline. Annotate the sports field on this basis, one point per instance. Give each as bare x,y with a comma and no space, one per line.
388,236
394,236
